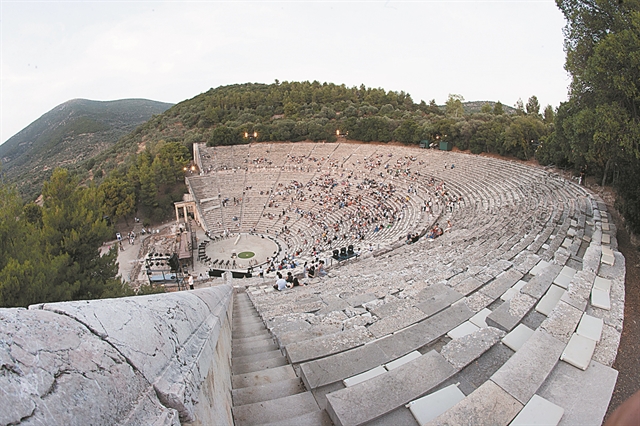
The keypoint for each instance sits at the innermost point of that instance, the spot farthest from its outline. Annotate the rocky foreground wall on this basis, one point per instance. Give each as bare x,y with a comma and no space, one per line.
147,360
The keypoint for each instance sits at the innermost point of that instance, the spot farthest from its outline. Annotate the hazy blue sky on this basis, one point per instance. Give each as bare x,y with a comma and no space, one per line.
54,51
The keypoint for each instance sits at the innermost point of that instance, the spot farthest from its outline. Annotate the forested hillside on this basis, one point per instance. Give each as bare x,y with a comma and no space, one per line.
295,111
598,129
72,132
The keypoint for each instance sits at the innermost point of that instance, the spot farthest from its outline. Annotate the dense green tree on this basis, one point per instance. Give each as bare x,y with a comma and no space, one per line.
533,106
454,105
57,258
408,132
498,108
224,135
119,196
599,127
549,115
433,108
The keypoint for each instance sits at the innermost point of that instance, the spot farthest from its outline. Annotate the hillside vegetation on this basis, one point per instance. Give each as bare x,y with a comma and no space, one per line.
72,132
296,111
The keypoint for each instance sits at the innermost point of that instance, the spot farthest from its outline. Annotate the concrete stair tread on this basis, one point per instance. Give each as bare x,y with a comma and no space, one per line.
259,365
275,410
253,394
263,377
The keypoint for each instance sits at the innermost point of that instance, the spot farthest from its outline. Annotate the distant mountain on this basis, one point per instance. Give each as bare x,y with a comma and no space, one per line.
70,133
474,107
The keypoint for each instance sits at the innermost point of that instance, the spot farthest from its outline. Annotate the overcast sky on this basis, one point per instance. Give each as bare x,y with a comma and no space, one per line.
54,51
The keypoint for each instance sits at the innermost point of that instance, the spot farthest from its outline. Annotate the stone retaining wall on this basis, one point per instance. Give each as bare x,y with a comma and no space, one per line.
148,360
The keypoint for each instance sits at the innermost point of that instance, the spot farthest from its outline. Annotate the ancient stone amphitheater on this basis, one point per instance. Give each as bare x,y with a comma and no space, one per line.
512,316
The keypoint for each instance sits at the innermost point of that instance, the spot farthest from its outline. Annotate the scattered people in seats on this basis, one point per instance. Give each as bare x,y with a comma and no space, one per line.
295,283
435,232
281,283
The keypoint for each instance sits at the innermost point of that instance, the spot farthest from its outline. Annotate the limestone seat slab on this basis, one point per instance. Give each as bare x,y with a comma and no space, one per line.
542,265
479,319
462,330
563,280
380,395
359,378
538,411
431,406
602,284
550,300
527,369
517,337
590,327
509,294
579,351
600,299
402,360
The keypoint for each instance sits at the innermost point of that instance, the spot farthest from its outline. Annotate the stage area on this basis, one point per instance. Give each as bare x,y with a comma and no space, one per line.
246,250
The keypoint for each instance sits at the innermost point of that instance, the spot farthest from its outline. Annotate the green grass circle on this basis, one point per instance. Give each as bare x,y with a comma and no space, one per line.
246,255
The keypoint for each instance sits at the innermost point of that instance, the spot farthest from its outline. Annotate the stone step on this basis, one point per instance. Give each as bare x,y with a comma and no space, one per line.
263,377
262,346
355,361
244,340
382,394
275,410
245,359
246,320
259,365
244,312
248,328
314,418
252,333
252,394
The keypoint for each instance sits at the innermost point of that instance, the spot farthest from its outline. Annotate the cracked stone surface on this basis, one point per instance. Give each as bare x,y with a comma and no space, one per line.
169,340
462,351
51,365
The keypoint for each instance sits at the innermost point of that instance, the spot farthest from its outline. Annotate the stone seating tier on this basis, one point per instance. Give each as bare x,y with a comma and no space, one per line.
370,312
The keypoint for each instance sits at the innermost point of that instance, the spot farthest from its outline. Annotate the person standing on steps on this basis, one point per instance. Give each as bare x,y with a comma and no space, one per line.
190,280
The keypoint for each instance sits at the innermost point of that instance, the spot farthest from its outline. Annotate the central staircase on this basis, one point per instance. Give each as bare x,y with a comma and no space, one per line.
266,390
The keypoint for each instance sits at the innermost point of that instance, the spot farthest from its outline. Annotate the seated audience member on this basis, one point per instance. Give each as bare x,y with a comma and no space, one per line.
281,283
320,271
312,271
295,283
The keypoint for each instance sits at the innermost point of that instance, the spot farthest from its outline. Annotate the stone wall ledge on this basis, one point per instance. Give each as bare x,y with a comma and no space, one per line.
134,360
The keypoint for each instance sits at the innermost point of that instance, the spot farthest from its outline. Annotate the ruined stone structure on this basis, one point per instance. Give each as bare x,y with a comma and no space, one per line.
513,316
